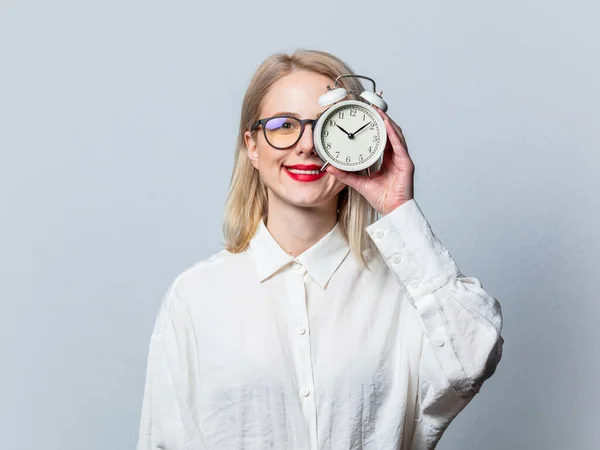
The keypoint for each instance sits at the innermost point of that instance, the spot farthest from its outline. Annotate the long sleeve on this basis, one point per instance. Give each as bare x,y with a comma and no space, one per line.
462,322
161,424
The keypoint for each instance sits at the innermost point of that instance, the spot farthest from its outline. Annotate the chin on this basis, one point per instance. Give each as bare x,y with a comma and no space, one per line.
307,199
307,195
306,202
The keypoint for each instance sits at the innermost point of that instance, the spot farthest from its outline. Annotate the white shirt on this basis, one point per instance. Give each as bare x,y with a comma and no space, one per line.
261,350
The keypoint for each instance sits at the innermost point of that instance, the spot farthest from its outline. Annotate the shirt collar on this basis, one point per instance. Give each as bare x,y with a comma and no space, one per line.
320,261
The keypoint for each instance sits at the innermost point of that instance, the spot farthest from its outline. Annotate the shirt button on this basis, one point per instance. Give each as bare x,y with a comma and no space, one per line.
396,259
439,342
300,329
379,234
296,266
305,392
414,284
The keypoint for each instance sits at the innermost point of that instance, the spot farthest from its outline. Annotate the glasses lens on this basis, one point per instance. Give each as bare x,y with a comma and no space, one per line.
282,132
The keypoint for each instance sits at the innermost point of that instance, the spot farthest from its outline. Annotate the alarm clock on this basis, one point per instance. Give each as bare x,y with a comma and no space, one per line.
350,134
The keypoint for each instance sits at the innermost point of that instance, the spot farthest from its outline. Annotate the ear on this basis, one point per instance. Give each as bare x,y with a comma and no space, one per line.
252,147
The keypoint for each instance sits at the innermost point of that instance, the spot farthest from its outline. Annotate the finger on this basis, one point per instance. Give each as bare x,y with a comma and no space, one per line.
400,134
350,179
397,145
396,127
388,155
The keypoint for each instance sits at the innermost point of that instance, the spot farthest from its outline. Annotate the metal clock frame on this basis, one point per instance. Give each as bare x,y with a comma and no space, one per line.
325,117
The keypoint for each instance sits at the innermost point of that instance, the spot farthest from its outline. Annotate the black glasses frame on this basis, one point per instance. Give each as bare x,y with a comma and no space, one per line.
303,123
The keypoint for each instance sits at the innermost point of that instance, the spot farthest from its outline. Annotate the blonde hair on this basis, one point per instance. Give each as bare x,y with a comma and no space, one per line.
247,200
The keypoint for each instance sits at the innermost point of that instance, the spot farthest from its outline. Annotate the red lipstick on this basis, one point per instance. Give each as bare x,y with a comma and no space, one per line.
305,176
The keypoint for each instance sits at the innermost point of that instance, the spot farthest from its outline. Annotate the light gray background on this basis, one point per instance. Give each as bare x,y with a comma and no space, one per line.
117,126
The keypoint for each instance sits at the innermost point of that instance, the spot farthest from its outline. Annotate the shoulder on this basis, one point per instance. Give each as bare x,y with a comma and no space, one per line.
214,274
220,264
200,283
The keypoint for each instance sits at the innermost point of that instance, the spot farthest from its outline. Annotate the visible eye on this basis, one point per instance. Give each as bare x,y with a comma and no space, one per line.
275,123
283,124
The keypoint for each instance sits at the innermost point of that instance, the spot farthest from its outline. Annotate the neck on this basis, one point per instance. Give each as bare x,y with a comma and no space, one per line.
297,228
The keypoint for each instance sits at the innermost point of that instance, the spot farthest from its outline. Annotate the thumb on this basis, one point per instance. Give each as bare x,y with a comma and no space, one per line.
349,179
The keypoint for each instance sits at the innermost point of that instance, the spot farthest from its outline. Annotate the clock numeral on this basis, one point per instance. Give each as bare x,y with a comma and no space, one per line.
372,125
360,157
376,138
331,123
370,149
341,115
328,145
353,112
364,117
347,159
326,133
337,154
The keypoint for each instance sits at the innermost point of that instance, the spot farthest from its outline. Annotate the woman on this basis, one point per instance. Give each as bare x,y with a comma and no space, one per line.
318,327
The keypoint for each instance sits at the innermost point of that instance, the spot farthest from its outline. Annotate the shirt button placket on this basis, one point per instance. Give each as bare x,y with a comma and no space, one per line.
303,353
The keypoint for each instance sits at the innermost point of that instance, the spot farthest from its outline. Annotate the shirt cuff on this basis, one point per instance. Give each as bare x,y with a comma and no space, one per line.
410,249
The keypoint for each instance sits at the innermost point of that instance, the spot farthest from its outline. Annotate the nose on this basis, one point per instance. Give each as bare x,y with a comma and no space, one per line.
306,143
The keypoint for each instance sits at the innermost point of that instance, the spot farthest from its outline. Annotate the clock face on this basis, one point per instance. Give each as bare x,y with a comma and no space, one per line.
352,135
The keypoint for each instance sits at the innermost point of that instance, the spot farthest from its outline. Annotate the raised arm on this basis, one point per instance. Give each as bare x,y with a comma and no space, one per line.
462,322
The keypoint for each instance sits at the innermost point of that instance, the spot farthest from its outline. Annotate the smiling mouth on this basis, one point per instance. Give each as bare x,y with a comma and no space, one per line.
307,172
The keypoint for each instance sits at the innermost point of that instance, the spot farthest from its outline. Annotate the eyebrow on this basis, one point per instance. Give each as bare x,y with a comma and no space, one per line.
287,113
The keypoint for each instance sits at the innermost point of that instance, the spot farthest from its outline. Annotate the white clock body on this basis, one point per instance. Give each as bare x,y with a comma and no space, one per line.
334,144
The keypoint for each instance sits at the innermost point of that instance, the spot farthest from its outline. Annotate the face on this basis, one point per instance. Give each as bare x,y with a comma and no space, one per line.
297,93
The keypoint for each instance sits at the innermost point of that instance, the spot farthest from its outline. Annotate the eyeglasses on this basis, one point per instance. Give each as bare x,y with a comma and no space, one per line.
282,132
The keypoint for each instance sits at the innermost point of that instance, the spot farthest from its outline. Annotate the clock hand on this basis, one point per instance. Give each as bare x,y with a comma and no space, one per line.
352,134
348,134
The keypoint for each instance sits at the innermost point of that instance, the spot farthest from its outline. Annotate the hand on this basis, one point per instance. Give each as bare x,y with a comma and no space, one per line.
393,184
348,134
361,128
